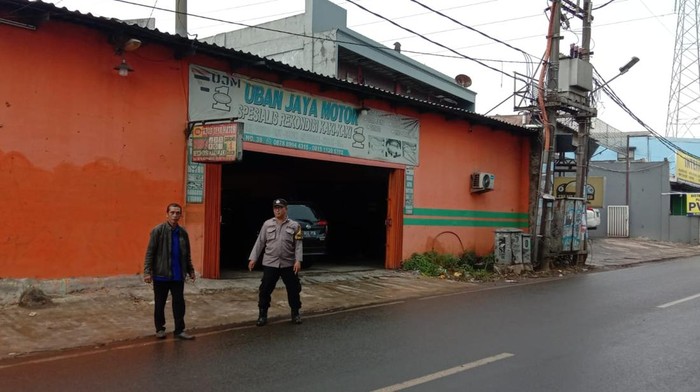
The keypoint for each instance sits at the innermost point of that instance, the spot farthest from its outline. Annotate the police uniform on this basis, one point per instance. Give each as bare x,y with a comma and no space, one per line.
282,246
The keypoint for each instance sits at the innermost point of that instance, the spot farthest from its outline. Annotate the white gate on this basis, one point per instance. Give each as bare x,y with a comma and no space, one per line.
618,221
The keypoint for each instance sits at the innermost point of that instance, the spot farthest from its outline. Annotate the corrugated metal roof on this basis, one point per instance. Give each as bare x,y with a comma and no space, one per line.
38,11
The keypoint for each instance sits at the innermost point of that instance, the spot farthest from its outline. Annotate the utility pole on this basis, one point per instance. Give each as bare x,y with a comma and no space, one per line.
569,86
181,18
584,119
551,107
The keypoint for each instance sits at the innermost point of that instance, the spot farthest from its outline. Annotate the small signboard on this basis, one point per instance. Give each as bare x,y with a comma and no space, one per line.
217,143
408,202
195,178
693,206
687,168
565,187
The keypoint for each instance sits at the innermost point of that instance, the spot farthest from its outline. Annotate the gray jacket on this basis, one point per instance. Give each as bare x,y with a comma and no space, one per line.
282,243
158,258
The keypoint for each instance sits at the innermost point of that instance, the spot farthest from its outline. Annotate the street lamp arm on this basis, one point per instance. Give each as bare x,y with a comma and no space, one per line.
623,70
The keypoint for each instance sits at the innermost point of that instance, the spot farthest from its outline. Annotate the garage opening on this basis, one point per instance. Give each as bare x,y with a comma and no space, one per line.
351,199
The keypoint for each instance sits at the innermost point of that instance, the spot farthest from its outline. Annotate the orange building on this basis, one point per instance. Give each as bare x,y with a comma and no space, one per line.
89,159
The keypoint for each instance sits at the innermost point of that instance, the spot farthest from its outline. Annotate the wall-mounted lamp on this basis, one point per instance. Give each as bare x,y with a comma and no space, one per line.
126,45
123,68
121,46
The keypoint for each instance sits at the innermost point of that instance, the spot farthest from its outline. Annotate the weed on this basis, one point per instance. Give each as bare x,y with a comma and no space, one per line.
467,266
425,263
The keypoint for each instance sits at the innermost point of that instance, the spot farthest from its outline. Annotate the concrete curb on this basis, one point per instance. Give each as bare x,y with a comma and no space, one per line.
12,289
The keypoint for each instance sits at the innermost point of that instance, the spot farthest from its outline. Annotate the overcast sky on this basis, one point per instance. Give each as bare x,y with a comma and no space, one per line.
620,30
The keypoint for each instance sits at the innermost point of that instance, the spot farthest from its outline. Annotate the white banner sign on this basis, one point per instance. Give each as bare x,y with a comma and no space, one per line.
291,119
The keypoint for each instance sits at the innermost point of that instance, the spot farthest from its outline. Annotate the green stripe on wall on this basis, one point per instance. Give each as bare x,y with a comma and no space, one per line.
469,213
463,222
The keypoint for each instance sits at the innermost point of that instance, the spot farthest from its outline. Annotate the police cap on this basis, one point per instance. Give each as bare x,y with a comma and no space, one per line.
279,202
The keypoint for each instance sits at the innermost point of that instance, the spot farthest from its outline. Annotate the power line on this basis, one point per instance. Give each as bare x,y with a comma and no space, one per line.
424,13
573,31
388,40
460,55
470,28
301,34
405,51
459,28
601,6
153,8
428,39
657,18
327,39
615,98
499,104
641,170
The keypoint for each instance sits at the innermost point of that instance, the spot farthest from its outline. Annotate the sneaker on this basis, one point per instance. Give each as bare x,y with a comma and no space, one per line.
161,334
261,321
184,336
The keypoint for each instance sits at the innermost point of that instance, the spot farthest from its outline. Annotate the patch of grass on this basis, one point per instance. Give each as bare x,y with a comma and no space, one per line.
425,263
481,275
467,266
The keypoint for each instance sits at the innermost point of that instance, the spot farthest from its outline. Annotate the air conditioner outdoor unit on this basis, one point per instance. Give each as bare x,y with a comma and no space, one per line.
482,182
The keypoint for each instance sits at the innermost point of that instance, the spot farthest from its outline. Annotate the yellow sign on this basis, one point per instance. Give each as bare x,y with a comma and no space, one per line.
693,203
566,187
687,168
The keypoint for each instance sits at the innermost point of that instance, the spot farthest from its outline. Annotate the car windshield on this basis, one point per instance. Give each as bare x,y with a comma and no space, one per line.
301,212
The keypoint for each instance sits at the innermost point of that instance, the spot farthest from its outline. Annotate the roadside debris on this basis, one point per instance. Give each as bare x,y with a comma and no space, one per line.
33,298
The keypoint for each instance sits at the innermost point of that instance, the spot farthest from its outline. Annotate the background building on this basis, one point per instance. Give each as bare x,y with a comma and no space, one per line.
320,41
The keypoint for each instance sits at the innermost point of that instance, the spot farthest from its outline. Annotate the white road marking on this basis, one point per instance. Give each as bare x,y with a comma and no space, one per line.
444,373
666,305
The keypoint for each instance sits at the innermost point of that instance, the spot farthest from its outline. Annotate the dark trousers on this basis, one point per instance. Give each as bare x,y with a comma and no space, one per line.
160,293
269,280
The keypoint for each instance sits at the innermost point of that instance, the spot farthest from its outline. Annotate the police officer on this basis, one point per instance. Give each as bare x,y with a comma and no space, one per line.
281,239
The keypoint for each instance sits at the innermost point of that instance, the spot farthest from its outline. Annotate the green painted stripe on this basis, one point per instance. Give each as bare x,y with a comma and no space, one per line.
469,213
462,222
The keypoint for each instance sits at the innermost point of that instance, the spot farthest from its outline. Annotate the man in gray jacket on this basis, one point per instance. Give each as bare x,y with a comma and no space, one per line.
167,262
281,239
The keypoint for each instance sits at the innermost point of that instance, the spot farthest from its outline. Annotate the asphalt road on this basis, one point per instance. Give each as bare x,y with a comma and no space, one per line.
633,329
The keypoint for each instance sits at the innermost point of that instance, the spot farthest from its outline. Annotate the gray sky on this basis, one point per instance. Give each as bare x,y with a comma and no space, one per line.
620,30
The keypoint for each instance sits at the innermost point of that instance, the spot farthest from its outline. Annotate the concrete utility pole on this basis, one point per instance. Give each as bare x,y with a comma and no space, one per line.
181,18
552,105
584,119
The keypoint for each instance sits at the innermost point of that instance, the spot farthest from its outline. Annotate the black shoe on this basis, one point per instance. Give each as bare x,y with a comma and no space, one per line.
161,334
184,336
296,317
262,317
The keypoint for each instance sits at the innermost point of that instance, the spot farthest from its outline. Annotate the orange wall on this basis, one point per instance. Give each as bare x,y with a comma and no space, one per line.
88,159
450,151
